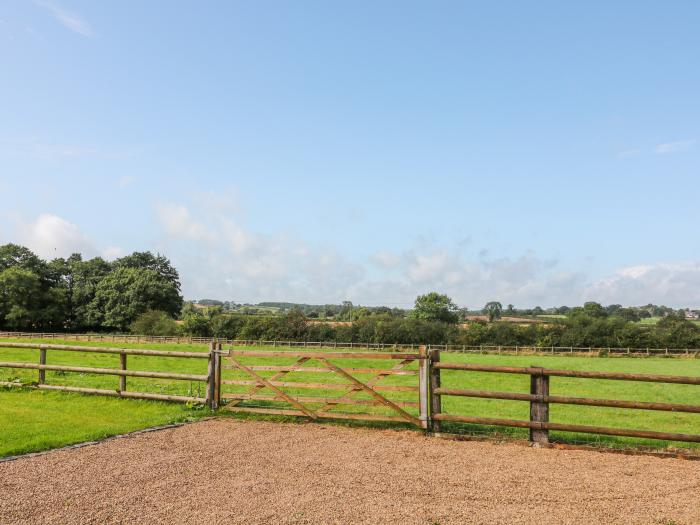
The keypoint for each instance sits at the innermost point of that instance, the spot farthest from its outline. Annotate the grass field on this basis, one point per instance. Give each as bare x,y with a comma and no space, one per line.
31,421
132,410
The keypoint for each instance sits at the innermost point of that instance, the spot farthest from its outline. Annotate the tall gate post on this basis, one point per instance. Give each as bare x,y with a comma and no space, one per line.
211,377
424,388
435,400
217,387
539,409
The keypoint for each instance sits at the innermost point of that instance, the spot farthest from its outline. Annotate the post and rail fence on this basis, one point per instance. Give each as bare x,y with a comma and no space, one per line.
424,388
335,345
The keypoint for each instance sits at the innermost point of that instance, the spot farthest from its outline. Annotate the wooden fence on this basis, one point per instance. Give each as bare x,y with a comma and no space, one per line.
540,399
259,381
122,372
469,349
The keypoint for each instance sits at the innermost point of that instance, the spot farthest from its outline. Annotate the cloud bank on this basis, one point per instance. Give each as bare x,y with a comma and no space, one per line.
219,257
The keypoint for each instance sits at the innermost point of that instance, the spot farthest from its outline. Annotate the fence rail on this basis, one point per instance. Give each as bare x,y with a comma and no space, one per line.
122,372
396,347
540,399
270,383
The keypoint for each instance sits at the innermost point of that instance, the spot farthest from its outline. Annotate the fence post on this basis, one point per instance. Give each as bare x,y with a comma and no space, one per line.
122,365
435,399
42,361
423,388
217,388
539,410
211,377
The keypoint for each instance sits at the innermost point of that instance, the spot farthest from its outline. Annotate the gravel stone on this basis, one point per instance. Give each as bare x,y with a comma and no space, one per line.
252,472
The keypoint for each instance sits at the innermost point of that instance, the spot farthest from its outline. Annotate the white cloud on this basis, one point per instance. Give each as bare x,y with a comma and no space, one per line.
674,284
51,236
68,20
112,252
178,223
674,147
385,259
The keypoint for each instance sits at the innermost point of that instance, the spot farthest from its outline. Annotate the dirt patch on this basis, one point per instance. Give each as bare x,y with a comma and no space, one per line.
231,471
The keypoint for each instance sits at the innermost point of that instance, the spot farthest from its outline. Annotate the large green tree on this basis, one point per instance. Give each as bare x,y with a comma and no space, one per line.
435,307
126,293
21,298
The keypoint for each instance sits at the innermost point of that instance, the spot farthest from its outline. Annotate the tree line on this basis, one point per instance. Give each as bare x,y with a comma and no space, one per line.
74,294
141,293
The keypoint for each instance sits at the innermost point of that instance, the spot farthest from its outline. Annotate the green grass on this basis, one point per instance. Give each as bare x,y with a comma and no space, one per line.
32,420
637,419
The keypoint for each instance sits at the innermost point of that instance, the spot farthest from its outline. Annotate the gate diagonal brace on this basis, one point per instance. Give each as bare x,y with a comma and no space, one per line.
370,391
264,382
277,376
370,382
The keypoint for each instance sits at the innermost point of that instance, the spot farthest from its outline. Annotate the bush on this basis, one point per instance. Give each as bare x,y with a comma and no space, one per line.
154,322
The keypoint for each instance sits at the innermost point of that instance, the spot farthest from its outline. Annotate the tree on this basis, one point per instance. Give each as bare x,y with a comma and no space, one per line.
126,293
15,256
20,298
510,310
493,309
160,264
435,307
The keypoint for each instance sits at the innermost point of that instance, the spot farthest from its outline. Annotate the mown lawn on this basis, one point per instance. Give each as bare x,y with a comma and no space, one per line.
32,420
637,419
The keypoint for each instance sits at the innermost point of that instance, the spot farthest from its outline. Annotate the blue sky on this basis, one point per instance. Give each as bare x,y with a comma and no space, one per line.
536,154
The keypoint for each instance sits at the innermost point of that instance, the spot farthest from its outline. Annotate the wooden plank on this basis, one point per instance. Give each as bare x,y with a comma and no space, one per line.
333,355
685,380
381,373
323,386
314,399
261,368
360,417
116,393
585,429
271,411
257,387
565,400
107,350
105,371
408,417
261,380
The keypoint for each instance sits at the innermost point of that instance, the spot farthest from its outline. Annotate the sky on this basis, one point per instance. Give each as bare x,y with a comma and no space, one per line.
541,153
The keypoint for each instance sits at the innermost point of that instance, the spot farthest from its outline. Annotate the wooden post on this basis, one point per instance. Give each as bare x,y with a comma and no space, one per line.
211,375
122,365
539,410
217,385
435,399
423,388
42,361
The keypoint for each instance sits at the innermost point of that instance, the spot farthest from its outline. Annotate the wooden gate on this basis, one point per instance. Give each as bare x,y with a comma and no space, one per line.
338,385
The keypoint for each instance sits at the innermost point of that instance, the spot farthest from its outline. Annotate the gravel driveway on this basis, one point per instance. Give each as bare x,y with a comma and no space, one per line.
233,471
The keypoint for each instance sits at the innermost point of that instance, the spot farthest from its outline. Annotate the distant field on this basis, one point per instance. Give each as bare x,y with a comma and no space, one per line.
653,320
637,419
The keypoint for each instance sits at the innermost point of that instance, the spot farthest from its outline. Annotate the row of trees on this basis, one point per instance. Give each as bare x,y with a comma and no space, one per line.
141,293
433,320
78,295
578,330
